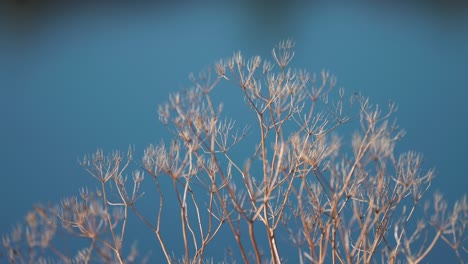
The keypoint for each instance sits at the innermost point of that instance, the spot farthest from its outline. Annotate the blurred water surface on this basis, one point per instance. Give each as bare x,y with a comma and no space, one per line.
75,78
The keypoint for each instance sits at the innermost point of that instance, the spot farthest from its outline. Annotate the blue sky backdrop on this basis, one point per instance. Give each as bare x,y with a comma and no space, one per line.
75,78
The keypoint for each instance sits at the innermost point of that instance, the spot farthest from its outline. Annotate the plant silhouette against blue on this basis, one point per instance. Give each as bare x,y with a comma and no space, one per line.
335,198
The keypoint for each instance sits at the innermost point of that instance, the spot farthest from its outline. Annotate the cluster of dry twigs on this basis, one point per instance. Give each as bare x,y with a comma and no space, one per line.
335,203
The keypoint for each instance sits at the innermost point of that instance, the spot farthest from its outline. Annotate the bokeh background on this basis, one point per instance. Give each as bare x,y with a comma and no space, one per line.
77,77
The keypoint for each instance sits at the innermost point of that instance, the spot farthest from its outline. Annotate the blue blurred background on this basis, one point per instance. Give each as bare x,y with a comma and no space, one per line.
77,77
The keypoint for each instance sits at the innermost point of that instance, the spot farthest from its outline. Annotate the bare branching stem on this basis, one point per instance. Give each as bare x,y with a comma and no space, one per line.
290,180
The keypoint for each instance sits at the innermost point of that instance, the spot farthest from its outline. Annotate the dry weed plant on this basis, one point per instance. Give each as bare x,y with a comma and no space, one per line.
300,187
